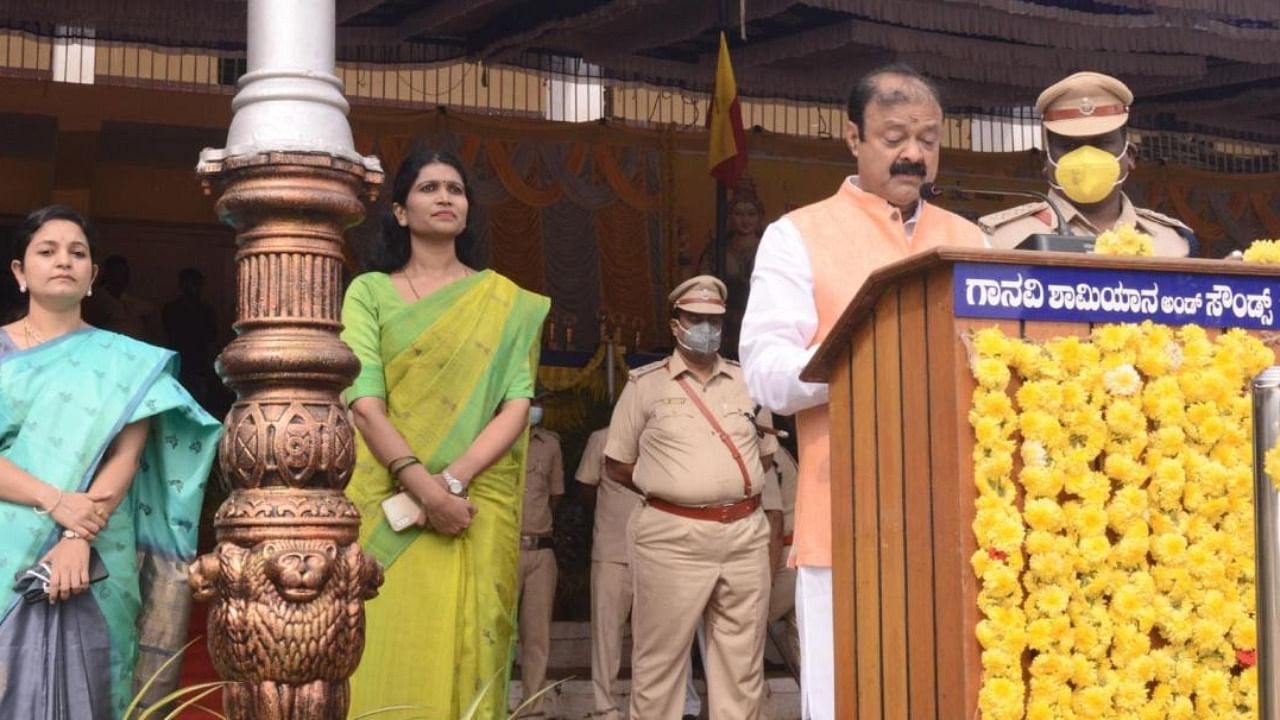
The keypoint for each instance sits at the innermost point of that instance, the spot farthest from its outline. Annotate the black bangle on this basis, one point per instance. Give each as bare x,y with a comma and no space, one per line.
395,466
395,474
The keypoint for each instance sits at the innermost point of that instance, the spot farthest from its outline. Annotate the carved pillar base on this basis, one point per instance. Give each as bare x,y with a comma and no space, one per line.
287,581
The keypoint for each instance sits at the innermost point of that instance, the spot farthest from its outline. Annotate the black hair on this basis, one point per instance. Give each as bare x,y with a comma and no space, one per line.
390,251
190,274
867,90
32,223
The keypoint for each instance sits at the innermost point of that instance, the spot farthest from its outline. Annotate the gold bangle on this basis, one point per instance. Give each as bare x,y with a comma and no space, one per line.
53,507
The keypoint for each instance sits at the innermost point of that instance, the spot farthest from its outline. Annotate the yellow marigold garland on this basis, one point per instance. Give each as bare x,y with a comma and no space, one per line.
1123,239
1263,251
1114,523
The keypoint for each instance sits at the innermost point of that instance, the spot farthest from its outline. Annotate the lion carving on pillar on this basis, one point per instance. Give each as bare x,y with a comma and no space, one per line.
289,629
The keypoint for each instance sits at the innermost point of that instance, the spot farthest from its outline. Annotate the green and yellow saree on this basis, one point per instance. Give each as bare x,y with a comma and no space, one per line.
61,405
440,632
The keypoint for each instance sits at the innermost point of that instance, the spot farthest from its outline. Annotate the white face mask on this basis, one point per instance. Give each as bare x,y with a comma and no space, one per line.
702,338
535,415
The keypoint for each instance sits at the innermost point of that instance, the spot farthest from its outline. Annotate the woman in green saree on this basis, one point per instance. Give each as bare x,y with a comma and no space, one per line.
448,357
103,461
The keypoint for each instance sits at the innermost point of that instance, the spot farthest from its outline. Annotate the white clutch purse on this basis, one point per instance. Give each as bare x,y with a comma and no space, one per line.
402,510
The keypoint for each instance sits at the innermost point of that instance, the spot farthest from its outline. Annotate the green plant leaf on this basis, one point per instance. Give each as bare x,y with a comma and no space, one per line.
534,697
218,686
389,708
474,707
178,694
137,698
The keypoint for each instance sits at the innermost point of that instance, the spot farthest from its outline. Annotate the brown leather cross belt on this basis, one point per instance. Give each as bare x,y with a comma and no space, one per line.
536,542
732,512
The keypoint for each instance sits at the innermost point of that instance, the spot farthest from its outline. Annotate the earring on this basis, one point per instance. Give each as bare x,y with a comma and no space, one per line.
22,287
90,293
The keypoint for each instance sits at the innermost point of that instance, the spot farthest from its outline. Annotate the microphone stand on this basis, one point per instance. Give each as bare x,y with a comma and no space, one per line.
1061,240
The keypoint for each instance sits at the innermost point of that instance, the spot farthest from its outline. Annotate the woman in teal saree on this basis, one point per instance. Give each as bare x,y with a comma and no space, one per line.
448,357
103,461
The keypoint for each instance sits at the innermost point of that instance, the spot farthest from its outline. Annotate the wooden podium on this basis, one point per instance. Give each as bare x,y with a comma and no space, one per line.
901,445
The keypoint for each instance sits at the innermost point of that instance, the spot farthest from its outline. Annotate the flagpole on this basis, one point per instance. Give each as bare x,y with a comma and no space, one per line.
722,193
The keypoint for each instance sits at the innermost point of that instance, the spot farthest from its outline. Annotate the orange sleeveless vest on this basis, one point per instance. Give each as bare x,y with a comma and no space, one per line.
847,236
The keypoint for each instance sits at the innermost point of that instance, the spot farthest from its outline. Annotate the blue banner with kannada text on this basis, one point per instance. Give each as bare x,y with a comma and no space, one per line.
1105,295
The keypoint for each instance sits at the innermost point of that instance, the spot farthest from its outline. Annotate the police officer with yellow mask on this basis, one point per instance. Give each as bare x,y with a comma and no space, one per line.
1088,158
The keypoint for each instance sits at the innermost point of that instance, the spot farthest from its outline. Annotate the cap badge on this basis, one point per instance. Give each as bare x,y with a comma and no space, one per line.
1086,106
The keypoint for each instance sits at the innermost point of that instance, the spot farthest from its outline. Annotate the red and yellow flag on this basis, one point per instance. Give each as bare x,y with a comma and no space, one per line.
727,156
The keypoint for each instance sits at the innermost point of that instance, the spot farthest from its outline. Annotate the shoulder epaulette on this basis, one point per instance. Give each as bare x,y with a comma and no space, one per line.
646,369
1160,218
989,223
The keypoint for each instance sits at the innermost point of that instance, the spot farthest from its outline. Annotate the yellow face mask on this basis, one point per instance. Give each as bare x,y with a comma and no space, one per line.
1087,174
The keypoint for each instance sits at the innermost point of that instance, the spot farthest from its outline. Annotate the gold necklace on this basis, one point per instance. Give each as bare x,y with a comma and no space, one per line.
466,272
32,338
413,289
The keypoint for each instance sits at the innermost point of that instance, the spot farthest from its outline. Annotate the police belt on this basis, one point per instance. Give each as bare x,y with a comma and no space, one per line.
732,512
536,542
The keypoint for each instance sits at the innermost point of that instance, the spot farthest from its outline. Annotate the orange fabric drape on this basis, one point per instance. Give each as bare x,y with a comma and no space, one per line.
519,188
632,195
1205,229
393,149
1262,208
625,277
515,243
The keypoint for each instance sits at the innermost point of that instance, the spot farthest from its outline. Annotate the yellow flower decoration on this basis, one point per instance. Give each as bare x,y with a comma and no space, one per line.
1123,239
1115,559
1263,251
1271,464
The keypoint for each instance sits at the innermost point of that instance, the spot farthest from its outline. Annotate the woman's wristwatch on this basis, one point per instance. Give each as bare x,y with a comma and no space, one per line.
455,486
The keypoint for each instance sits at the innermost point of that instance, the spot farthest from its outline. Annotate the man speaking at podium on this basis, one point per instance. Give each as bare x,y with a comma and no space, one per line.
1088,156
810,264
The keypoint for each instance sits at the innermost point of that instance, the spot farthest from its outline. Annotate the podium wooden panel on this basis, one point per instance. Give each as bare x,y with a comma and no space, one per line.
905,594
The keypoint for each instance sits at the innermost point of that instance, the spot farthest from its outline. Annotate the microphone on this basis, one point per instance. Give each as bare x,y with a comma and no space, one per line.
1062,239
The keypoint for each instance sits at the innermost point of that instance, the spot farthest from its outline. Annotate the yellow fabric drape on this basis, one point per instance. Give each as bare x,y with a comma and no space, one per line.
588,377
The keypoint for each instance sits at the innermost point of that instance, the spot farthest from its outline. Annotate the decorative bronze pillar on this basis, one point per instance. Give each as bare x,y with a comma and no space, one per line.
287,581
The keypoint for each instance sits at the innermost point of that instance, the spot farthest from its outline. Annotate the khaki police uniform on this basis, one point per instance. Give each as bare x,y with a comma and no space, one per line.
1086,104
610,573
782,600
544,479
699,544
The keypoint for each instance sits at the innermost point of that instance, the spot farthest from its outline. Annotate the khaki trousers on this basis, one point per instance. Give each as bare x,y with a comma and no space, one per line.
689,570
610,606
537,599
782,610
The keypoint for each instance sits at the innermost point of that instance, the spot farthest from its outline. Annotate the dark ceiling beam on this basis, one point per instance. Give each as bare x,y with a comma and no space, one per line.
1070,29
645,24
1217,77
1004,62
434,15
348,9
561,33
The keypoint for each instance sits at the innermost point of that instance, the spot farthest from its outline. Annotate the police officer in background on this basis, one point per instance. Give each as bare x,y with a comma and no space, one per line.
684,435
611,592
1088,156
543,486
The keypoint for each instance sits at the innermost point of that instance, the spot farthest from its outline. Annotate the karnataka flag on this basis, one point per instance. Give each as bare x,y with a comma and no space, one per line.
727,156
